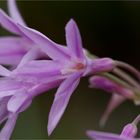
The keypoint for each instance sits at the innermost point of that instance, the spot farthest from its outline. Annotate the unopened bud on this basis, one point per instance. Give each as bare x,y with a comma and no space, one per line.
130,130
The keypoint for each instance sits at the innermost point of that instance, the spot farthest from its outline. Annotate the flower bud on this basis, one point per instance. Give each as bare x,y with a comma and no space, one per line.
110,86
130,130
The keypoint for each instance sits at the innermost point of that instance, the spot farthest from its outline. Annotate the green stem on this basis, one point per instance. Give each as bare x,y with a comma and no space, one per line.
126,77
129,68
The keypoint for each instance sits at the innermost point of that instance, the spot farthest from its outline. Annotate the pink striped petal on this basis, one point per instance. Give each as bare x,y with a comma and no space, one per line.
7,23
73,39
53,50
10,87
61,100
8,127
19,102
3,109
12,49
38,71
32,54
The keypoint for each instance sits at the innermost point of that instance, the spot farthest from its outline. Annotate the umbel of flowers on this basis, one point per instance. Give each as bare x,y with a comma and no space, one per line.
62,67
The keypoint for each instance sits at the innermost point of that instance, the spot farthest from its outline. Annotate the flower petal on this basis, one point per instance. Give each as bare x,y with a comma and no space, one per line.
102,65
7,23
73,39
22,100
19,102
32,54
61,100
14,12
3,109
10,87
41,88
38,71
12,49
8,127
105,136
49,47
8,84
114,102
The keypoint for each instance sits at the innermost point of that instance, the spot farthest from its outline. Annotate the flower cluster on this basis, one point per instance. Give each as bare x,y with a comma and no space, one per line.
37,64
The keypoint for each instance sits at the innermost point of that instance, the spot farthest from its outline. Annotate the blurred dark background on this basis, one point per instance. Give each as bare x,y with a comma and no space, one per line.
108,29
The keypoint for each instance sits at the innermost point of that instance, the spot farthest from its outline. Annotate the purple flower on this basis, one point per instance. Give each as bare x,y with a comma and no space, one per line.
128,133
68,63
66,67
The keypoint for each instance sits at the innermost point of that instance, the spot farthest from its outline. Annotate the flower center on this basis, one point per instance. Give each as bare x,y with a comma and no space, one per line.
79,66
73,68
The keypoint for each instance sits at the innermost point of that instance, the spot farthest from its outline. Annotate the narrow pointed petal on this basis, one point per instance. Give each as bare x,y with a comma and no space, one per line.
114,102
7,23
38,71
10,87
35,66
8,127
32,54
73,38
61,100
45,44
10,84
14,12
12,49
3,109
22,100
41,88
19,102
105,136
